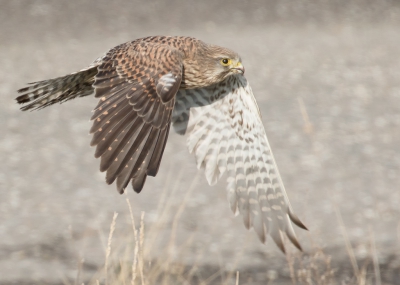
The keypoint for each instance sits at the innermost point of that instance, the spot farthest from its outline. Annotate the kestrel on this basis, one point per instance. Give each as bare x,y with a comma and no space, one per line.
146,84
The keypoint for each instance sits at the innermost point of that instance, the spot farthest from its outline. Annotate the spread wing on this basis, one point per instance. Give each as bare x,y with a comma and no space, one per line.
226,134
136,85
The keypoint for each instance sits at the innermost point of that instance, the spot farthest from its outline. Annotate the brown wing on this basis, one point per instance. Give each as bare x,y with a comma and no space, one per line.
136,84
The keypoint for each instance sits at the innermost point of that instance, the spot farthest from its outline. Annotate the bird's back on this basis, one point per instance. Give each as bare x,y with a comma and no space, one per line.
44,93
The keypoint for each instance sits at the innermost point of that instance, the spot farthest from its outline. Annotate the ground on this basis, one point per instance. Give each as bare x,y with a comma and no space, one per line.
326,77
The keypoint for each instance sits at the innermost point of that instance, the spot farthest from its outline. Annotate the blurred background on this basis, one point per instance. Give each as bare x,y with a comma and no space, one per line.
326,74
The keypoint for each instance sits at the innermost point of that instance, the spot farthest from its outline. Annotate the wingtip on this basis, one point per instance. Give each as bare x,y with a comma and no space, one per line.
137,190
138,182
292,236
281,247
276,235
262,237
295,242
24,89
152,172
296,220
246,219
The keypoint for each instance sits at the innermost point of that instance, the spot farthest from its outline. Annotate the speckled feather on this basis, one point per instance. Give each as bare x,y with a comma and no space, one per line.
137,84
226,134
145,84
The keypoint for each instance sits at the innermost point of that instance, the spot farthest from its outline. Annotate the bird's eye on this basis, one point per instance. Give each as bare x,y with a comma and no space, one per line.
225,61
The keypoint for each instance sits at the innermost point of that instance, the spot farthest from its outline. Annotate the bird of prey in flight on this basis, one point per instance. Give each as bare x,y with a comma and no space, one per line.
145,85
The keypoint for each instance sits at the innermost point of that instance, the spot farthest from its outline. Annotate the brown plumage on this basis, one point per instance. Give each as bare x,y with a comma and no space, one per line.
140,84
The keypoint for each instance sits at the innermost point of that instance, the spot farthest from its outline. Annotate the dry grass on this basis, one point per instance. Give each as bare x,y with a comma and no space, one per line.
129,262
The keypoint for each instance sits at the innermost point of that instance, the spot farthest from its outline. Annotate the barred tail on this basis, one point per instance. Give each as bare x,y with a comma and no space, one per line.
58,90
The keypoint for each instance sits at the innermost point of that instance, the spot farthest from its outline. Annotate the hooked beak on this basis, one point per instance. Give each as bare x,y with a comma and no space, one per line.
239,68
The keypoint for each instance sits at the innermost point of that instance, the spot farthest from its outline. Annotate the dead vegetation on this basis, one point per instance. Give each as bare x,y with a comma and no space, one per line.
129,262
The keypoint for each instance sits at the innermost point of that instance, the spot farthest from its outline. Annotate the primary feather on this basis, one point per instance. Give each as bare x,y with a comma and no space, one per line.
225,133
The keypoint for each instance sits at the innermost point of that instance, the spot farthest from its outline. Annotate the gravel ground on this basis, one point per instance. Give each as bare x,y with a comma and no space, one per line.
326,77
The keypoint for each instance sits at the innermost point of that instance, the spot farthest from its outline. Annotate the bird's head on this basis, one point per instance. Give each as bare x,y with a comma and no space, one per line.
224,62
211,64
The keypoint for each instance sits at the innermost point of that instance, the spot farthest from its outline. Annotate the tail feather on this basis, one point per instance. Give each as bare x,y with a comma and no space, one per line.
58,90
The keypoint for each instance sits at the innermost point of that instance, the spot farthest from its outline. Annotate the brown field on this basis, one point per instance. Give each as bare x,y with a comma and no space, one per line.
326,74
